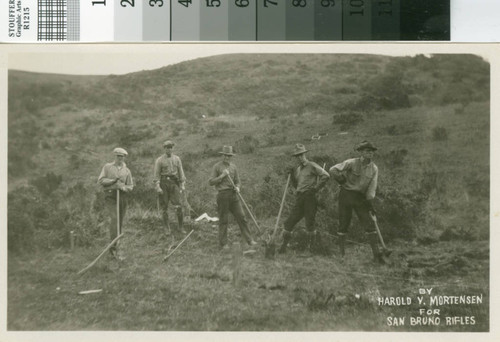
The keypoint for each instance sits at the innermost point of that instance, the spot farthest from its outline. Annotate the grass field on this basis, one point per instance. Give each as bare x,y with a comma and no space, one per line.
429,116
194,288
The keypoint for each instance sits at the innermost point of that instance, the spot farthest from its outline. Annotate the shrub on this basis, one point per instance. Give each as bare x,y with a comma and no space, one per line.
247,144
439,134
20,225
347,121
395,158
47,184
217,129
391,130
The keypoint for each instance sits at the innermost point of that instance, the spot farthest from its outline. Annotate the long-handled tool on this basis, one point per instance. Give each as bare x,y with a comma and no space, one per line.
385,250
180,243
246,206
100,255
117,212
271,246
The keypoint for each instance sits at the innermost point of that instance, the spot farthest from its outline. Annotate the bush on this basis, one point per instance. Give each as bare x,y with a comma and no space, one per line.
396,158
20,224
217,129
47,184
439,134
248,144
347,121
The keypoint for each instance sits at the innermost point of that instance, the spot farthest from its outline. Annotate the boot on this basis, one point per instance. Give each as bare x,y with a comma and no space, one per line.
377,255
342,238
287,236
166,224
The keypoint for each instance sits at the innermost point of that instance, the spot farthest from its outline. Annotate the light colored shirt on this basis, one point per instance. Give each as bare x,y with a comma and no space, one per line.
168,166
309,176
359,177
110,172
224,183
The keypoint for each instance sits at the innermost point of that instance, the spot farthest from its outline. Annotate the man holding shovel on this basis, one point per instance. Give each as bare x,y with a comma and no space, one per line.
358,183
226,180
308,178
170,182
116,180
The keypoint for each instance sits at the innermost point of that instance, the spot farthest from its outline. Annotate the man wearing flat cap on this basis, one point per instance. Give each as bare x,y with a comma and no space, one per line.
170,180
308,178
358,183
226,180
116,177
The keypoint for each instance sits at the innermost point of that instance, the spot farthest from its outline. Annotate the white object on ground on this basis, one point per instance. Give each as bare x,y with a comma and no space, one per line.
208,218
90,291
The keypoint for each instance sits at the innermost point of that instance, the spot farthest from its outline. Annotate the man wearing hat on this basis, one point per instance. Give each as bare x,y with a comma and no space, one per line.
308,178
224,175
170,181
358,183
115,177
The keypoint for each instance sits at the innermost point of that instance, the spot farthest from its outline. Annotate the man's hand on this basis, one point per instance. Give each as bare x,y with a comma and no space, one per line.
183,187
158,189
225,173
120,186
237,189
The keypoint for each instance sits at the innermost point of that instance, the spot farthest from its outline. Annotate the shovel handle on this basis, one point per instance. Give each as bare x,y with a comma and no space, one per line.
117,212
281,207
245,204
374,218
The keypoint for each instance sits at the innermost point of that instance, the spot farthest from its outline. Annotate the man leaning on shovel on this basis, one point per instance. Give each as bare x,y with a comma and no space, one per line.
226,180
116,180
358,183
170,182
308,178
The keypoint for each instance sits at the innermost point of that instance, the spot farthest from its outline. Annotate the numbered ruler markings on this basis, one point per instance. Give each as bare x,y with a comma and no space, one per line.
185,24
156,20
357,20
214,20
128,20
328,20
300,20
271,20
97,20
242,20
386,20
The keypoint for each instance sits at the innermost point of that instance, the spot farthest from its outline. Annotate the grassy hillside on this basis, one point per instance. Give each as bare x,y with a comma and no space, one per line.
429,116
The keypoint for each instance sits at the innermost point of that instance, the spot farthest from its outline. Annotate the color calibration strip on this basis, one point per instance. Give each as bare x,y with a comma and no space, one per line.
223,20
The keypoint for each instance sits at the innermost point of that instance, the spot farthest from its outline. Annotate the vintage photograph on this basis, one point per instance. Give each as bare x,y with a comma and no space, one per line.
249,188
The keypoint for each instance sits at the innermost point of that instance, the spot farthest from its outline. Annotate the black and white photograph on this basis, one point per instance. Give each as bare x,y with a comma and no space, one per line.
274,188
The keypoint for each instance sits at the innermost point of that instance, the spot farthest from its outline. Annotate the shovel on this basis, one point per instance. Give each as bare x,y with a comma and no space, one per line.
246,206
386,251
270,245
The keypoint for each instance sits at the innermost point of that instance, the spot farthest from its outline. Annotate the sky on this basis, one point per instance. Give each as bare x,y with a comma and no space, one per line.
105,59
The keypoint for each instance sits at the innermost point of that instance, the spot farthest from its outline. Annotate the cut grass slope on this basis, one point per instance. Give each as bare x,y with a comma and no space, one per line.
193,290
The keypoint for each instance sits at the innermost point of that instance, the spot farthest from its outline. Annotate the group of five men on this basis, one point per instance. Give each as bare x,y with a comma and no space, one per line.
357,178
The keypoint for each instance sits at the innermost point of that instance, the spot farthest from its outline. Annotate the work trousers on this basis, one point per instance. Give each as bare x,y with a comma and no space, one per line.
110,203
228,202
306,206
171,194
353,200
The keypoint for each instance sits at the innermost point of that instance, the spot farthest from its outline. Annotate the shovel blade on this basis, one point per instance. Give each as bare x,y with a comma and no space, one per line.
270,251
